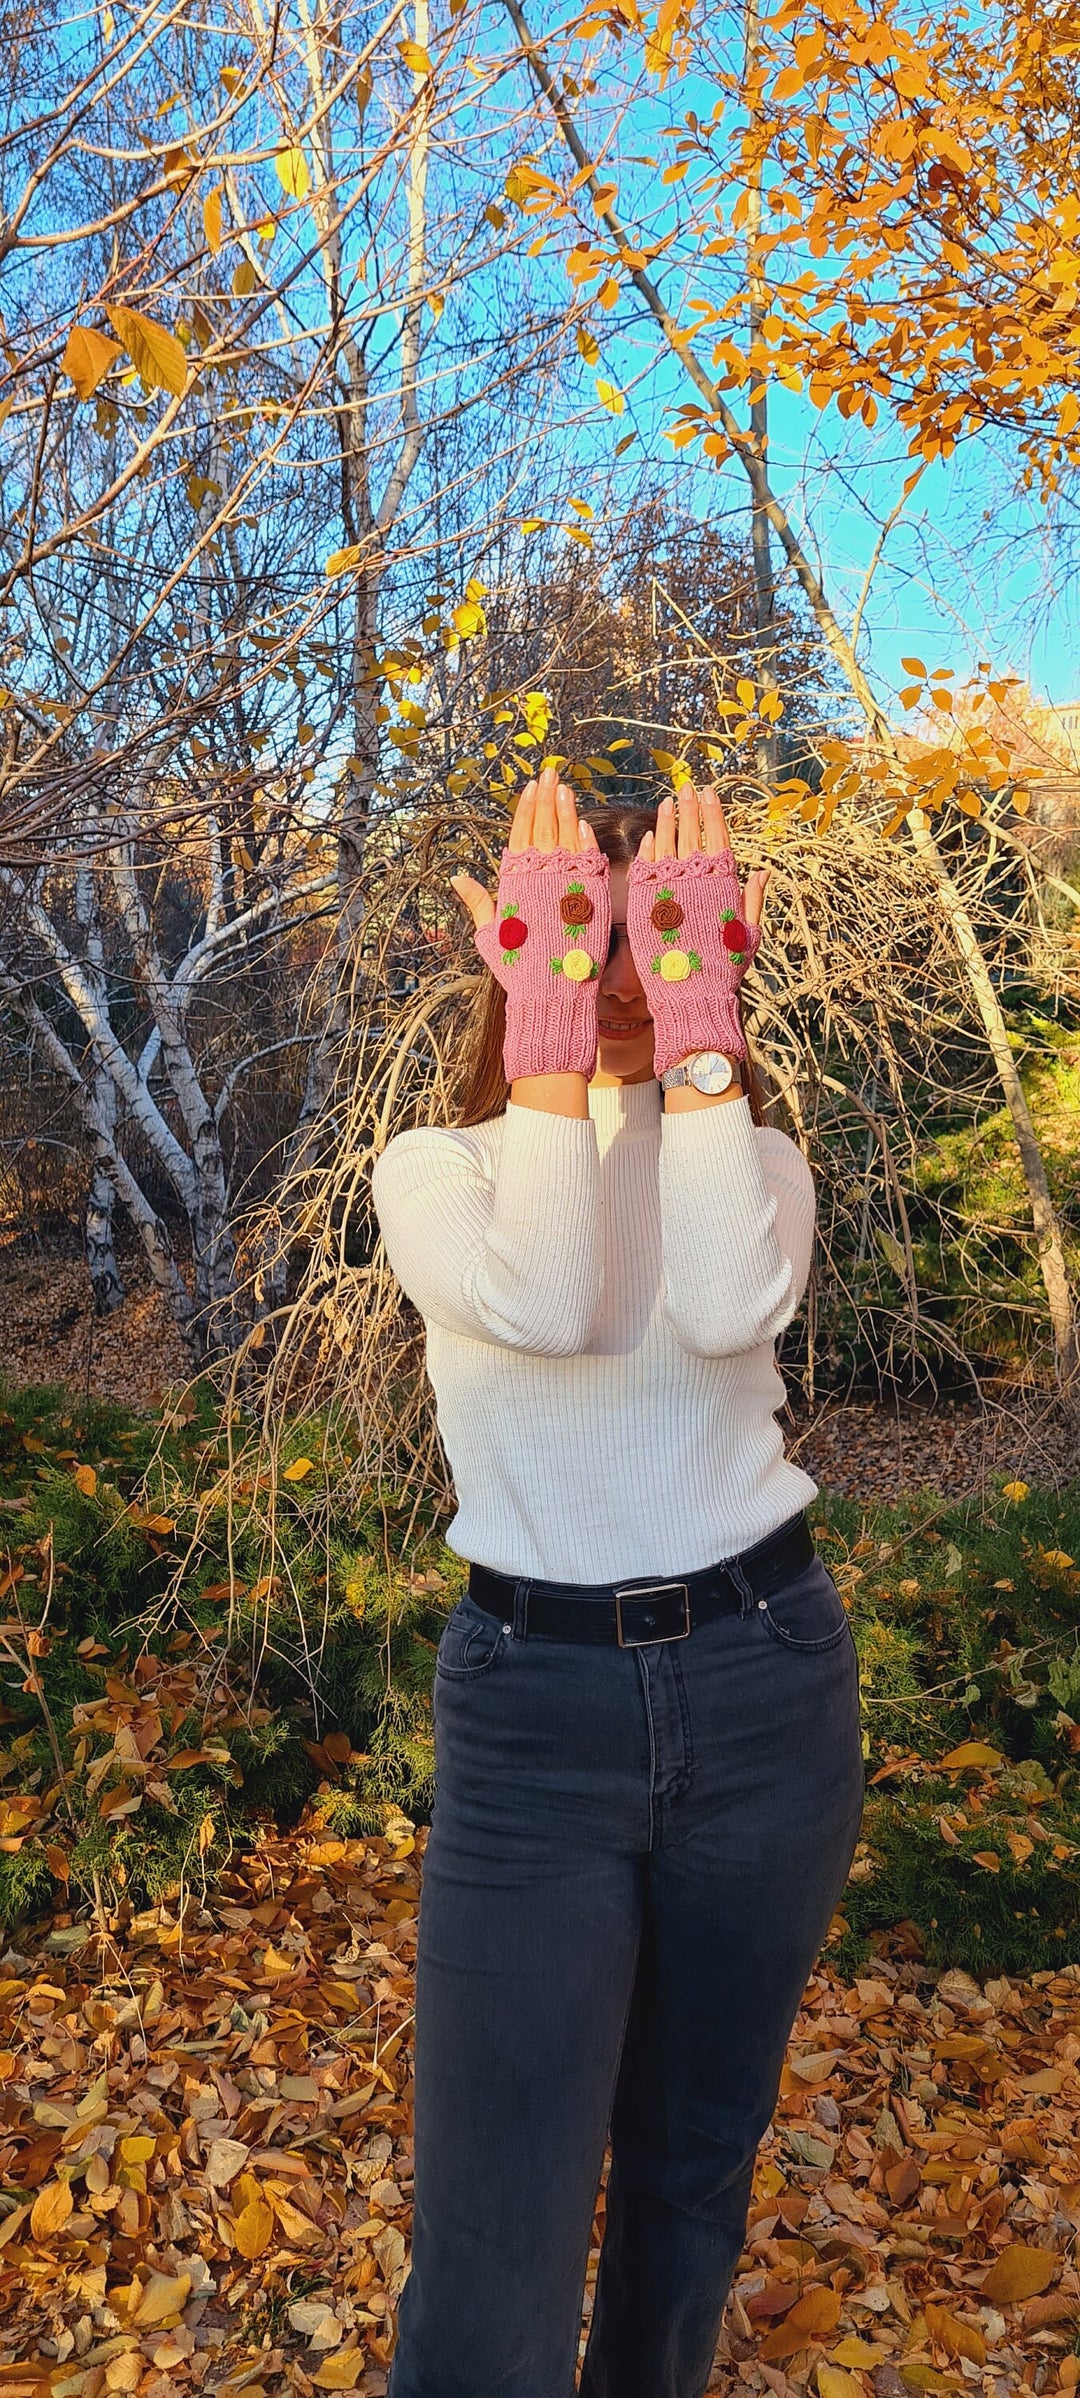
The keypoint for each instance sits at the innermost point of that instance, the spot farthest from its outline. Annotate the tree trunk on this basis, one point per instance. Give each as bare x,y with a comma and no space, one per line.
104,1272
105,1281
152,1233
760,545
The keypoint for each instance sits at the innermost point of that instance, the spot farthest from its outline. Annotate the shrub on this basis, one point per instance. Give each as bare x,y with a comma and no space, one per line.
181,1672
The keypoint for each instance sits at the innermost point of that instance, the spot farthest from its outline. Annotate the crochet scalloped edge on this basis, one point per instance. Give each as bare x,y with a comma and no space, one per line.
698,867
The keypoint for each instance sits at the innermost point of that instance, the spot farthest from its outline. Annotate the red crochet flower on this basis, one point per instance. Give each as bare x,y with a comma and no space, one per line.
513,933
735,934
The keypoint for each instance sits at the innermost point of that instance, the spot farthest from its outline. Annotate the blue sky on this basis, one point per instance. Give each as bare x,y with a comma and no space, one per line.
970,572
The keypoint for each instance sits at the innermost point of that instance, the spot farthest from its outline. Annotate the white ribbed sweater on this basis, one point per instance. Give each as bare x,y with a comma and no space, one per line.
601,1302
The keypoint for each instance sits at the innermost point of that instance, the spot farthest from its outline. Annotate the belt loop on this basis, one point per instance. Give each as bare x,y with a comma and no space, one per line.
746,1596
521,1606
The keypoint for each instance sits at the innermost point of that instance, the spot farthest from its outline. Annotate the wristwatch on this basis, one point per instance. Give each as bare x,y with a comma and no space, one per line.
707,1071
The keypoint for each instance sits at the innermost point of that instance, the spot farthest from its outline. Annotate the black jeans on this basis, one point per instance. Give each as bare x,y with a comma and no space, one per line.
633,1860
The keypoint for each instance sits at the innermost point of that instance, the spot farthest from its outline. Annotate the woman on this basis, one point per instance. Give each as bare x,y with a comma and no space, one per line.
648,1762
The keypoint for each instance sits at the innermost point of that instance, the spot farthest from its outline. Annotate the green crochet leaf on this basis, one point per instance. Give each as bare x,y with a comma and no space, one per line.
695,961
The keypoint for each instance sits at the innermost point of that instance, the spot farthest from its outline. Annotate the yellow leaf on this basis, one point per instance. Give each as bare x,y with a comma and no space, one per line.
86,1480
299,2229
832,2382
1048,2082
914,666
162,2301
254,2228
341,562
745,693
232,77
955,2334
416,57
276,1963
1020,1847
1020,802
211,217
340,2372
297,1470
51,2209
244,278
156,353
815,2068
293,173
1018,2273
812,2317
988,1858
588,345
522,183
853,2351
469,619
87,357
138,2148
971,1752
609,397
1016,1491
178,166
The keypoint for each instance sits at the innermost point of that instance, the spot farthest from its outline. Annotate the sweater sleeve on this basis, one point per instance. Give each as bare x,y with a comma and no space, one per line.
737,1210
508,1251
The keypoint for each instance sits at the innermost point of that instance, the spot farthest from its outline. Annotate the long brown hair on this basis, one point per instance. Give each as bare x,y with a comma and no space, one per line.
481,1090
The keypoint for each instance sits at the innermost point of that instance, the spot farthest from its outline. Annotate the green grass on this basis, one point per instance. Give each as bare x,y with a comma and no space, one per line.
155,1721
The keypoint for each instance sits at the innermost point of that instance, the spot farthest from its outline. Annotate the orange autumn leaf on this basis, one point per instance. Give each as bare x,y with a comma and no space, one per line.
1019,2272
254,2228
834,2382
51,2210
958,2336
812,2317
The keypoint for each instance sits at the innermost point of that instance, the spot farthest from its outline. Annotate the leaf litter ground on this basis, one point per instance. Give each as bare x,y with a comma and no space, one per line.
206,2165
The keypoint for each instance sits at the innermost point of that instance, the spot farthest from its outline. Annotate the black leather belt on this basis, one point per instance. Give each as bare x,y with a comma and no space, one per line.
635,1615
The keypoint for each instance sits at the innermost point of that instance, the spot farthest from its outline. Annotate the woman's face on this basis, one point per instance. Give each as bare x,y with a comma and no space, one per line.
625,1051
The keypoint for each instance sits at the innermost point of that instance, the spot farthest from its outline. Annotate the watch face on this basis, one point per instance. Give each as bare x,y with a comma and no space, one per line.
710,1072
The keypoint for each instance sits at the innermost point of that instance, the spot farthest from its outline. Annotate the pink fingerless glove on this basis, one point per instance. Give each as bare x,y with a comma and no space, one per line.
548,947
691,945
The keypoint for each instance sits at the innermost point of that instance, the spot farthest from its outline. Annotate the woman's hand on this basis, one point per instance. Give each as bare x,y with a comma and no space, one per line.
700,823
692,929
545,819
545,938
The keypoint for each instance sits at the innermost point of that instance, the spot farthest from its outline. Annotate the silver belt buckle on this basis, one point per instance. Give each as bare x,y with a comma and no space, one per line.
643,1590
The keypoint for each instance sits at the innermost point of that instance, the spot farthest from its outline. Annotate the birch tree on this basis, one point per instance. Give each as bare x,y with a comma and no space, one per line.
224,274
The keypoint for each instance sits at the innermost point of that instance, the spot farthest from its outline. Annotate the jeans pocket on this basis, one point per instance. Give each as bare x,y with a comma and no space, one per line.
807,1614
472,1642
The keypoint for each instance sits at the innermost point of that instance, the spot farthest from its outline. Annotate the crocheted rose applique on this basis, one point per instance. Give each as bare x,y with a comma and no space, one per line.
734,936
673,964
576,910
513,934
